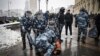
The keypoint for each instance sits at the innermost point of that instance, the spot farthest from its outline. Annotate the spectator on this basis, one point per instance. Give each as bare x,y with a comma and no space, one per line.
68,22
97,22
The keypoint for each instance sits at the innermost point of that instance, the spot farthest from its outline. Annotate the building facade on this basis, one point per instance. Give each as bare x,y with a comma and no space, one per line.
71,8
33,6
92,6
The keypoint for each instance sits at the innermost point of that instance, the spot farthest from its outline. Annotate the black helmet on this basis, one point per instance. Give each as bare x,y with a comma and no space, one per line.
62,10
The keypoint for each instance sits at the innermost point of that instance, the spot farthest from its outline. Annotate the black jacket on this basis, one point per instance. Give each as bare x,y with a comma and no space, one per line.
97,20
61,18
68,18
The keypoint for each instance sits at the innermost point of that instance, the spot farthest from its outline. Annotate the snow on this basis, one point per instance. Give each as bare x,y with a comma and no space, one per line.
8,37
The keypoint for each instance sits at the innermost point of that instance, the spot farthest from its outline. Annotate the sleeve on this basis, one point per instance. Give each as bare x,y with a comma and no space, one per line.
76,20
72,17
22,24
21,21
88,21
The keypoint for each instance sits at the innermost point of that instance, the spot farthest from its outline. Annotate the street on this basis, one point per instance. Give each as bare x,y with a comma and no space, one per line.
18,16
70,47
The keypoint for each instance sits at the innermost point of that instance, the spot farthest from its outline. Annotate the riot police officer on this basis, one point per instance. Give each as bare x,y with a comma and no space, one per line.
26,24
82,24
39,23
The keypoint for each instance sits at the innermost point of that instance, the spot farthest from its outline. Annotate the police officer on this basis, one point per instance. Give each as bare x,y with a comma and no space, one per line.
82,24
39,23
43,43
26,23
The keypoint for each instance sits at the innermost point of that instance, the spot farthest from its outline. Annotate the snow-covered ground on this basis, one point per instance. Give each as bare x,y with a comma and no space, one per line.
8,37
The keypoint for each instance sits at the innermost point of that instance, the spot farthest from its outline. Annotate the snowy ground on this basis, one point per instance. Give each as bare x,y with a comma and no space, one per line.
8,37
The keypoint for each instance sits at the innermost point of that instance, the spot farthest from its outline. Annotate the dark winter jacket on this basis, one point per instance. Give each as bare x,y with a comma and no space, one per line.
68,18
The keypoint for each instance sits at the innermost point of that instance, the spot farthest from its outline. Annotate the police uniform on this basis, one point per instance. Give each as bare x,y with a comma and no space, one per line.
82,24
26,24
44,41
39,25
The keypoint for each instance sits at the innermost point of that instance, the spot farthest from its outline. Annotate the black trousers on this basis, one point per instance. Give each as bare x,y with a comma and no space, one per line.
23,35
68,25
60,29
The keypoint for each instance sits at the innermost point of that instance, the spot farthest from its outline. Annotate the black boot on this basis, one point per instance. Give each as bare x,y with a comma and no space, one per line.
83,40
24,46
31,48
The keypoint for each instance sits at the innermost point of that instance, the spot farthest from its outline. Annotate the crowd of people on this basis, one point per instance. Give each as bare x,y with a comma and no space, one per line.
47,28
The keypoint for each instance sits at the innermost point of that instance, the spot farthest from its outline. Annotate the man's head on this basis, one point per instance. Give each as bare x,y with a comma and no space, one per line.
82,10
68,11
28,14
47,11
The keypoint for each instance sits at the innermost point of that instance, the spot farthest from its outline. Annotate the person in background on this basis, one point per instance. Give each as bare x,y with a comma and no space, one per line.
61,18
97,22
68,22
82,24
26,24
46,15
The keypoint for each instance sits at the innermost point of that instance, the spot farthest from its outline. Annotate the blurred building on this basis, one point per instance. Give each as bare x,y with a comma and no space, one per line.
27,5
71,8
92,6
12,13
1,13
33,6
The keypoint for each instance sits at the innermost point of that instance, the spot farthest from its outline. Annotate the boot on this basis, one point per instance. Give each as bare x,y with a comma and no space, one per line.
24,46
83,40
